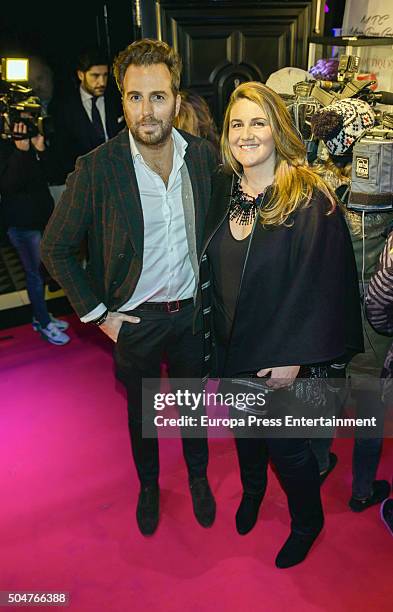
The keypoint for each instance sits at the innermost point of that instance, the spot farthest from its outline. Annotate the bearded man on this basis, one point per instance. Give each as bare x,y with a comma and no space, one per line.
142,199
88,115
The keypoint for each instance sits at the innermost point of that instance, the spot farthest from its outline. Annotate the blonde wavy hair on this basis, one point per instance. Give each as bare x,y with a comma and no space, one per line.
294,181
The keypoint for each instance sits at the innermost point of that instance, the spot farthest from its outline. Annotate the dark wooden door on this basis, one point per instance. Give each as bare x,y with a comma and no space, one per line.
224,42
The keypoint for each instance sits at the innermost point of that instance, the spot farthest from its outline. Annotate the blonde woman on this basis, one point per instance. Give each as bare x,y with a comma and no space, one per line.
284,289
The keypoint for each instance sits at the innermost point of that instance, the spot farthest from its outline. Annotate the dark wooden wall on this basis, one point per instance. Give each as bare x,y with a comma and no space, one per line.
222,42
226,42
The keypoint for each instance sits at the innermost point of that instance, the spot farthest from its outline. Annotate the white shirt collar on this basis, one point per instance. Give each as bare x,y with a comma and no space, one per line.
180,145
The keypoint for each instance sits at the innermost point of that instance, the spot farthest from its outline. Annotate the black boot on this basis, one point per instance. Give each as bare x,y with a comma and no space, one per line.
147,510
203,501
247,513
295,549
381,490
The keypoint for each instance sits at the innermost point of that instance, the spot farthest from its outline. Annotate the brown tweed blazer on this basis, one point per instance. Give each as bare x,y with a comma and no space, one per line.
102,201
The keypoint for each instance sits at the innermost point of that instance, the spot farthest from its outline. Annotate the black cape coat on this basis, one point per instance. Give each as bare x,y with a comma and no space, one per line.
298,302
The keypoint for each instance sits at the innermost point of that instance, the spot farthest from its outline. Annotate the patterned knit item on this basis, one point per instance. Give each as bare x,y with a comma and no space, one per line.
340,124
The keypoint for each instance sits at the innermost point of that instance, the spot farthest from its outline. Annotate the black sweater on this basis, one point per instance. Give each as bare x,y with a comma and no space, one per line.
25,198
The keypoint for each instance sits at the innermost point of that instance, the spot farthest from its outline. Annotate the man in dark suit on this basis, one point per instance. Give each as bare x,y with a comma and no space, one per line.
90,115
142,197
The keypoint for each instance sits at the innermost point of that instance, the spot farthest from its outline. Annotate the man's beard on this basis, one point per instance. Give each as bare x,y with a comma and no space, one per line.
160,136
93,91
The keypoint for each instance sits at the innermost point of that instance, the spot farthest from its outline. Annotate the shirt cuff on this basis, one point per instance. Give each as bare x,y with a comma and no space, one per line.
94,314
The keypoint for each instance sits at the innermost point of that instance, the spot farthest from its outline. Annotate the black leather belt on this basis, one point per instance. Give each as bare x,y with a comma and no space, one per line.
164,306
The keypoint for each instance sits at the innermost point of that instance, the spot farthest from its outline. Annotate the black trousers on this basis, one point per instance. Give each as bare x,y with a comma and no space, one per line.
296,466
138,354
298,473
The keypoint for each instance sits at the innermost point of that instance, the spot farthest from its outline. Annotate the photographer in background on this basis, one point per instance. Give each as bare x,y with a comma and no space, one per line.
26,206
41,80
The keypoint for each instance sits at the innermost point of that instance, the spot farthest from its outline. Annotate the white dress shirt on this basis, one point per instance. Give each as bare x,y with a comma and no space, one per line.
167,273
100,103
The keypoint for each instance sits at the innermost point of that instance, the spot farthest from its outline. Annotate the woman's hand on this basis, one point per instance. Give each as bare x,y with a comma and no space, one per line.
280,377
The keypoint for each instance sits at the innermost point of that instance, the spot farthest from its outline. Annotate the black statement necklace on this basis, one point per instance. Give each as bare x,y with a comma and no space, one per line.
243,208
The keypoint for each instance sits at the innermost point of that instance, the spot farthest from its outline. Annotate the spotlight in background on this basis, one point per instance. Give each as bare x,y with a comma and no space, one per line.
15,69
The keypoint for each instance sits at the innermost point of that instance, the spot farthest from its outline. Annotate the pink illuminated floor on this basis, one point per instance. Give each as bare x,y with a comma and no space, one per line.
69,493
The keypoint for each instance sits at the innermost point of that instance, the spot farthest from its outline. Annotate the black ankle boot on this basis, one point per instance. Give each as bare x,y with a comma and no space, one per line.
147,510
247,513
203,501
295,550
381,490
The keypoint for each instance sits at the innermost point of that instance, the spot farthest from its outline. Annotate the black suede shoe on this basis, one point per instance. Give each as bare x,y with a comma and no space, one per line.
247,513
147,510
381,490
203,501
295,550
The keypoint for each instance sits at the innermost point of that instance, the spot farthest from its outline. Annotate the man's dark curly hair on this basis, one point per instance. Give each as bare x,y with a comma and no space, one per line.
91,57
147,52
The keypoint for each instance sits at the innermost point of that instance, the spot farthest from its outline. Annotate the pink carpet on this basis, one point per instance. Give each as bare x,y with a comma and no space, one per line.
69,493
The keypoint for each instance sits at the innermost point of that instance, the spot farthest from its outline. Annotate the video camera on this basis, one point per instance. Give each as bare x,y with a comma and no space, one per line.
17,103
371,187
